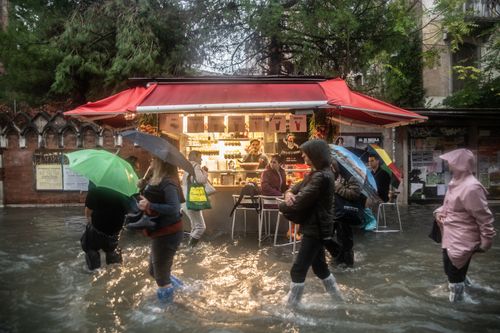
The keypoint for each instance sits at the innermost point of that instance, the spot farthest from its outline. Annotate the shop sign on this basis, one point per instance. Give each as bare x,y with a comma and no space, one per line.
195,124
171,123
277,124
216,124
236,123
256,123
298,123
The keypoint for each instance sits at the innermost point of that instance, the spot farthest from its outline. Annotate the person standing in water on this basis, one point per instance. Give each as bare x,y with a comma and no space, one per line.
198,226
311,204
465,220
168,232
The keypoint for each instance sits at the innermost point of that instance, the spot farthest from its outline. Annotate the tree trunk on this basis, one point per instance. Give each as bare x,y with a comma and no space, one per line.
4,14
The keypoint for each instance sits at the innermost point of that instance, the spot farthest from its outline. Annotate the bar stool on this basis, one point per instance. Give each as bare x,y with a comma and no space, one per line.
381,216
269,205
247,203
292,239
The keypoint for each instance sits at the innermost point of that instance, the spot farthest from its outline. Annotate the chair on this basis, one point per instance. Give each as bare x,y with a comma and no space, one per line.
381,216
269,205
292,239
246,204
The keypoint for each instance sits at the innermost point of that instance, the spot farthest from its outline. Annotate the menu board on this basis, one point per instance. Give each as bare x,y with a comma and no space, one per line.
298,123
49,177
171,123
256,123
216,124
277,124
195,124
236,123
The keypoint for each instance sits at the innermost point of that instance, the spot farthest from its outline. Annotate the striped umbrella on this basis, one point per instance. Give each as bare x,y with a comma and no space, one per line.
388,165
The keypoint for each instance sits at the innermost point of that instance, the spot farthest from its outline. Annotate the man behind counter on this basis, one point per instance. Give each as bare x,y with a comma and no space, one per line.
255,154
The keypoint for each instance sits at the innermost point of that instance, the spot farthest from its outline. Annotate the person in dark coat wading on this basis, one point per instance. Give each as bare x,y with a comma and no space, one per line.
311,204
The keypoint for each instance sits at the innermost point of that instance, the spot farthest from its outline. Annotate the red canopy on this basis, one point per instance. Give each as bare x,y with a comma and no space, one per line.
112,110
249,96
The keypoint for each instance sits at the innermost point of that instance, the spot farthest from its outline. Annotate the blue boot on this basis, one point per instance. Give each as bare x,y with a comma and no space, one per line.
165,295
176,283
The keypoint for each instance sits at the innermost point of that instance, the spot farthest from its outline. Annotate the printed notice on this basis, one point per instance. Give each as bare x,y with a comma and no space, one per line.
49,177
73,181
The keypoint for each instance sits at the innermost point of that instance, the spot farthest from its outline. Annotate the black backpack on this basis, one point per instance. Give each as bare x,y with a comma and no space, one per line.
251,190
350,212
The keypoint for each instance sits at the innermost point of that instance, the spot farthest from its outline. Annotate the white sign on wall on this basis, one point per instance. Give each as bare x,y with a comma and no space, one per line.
73,181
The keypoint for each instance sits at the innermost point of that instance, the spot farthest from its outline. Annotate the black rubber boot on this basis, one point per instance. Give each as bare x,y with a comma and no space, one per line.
114,257
93,259
144,223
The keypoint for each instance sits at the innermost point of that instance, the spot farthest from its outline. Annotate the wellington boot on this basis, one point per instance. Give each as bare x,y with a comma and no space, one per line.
457,291
332,288
295,294
176,282
165,295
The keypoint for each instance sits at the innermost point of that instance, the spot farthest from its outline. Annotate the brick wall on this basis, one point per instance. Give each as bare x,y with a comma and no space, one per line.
19,181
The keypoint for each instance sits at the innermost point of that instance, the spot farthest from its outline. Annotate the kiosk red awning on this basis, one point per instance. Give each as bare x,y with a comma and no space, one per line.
345,105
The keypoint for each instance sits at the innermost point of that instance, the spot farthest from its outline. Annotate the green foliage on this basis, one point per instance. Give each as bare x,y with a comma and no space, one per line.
108,42
476,95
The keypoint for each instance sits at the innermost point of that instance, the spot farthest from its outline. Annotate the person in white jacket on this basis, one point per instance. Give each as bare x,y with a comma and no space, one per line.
195,216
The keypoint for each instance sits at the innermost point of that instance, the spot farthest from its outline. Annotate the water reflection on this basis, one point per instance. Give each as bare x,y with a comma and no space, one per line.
397,284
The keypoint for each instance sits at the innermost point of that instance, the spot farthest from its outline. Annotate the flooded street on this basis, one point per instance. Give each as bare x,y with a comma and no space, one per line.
397,284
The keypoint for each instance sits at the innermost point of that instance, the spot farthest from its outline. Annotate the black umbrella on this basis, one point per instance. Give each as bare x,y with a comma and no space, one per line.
159,147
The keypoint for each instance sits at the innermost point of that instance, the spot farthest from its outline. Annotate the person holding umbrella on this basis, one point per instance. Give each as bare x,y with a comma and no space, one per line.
168,233
105,210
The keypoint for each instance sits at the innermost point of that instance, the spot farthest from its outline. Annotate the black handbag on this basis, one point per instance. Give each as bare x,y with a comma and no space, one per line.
347,211
435,233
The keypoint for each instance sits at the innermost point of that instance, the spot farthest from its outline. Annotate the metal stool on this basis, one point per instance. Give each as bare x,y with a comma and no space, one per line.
382,217
292,239
269,205
246,204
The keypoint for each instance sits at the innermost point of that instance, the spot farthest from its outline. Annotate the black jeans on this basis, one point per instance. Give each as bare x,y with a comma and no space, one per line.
163,249
341,251
455,275
94,240
311,253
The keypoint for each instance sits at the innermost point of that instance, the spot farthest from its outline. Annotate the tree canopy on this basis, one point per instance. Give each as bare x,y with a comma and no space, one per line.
84,50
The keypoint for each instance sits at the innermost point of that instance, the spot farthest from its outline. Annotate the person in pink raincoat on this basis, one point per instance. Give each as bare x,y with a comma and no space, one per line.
465,220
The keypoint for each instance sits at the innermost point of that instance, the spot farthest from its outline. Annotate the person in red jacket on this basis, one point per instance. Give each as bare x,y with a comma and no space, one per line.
273,179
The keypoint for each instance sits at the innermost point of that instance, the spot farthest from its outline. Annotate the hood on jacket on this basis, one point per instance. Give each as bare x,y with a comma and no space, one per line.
318,152
461,160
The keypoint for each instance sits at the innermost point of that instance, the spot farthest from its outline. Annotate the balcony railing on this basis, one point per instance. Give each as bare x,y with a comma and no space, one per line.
483,9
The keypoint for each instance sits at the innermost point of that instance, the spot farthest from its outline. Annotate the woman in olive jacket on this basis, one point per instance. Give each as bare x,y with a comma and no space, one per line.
310,203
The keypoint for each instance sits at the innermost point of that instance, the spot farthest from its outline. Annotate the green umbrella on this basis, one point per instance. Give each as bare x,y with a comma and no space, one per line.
104,169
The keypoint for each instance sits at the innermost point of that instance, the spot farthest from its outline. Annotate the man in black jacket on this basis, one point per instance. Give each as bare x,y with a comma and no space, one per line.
382,178
105,210
311,204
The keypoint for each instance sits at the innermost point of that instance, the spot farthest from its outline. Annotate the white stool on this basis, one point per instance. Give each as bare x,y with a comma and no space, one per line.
269,205
381,216
292,239
249,202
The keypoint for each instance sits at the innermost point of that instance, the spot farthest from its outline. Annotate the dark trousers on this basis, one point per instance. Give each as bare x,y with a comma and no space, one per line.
163,249
311,253
94,240
341,250
455,275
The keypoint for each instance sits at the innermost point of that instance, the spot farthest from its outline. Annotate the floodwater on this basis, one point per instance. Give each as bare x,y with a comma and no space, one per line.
397,285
